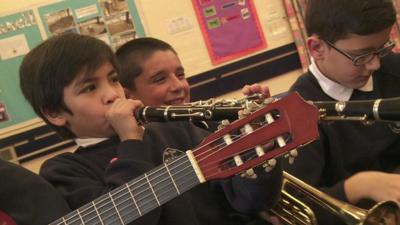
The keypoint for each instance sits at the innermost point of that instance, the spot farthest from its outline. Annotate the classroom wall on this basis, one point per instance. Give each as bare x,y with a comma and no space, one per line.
7,6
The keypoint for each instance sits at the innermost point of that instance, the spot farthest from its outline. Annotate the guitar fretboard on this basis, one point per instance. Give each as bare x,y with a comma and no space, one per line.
137,197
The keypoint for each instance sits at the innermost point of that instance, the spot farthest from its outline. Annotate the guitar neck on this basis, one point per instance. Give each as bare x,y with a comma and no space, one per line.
137,197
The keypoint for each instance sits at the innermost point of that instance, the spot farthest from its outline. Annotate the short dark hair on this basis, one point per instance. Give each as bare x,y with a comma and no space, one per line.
132,54
333,20
52,65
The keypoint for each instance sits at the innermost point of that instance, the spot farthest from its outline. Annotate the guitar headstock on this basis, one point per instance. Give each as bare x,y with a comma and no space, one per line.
265,134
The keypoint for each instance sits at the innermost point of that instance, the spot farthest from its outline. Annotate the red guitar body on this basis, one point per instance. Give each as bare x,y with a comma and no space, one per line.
6,219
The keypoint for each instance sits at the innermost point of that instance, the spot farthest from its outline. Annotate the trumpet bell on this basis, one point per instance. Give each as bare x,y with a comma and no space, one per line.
292,211
383,213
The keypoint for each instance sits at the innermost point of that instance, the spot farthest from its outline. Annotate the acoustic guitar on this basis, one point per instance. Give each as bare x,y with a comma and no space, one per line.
237,148
5,219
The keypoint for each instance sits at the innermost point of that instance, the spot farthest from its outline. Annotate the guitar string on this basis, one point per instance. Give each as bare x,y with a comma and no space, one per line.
153,172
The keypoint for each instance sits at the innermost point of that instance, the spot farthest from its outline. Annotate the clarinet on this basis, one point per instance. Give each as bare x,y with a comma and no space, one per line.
387,110
189,113
208,110
365,111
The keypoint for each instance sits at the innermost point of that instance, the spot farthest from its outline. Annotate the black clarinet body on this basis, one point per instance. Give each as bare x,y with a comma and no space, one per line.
387,109
186,113
367,111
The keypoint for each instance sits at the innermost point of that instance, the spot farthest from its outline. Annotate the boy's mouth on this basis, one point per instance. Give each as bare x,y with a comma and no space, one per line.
176,101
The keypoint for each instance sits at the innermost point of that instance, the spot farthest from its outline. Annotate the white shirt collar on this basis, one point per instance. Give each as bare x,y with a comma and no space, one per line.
85,142
333,89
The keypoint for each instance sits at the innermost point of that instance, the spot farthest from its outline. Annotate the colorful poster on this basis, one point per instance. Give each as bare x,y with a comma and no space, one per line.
230,28
108,20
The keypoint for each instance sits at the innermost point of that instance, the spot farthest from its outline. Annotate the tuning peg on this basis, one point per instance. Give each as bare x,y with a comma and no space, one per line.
249,174
252,106
269,165
268,100
238,160
243,113
223,124
248,129
291,155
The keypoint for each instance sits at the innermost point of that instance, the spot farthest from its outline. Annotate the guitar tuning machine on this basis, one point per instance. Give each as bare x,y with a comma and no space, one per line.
269,165
291,155
223,124
238,160
249,174
244,112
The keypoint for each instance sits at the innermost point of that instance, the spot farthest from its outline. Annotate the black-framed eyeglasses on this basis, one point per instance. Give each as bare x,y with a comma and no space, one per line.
367,57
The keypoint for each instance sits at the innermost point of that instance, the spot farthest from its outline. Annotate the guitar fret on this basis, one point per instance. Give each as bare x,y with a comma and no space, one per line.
97,212
80,217
116,209
143,195
88,214
151,187
185,176
126,208
173,181
133,199
163,185
104,207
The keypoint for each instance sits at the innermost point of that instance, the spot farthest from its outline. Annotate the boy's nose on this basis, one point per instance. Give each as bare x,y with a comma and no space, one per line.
374,64
175,83
111,94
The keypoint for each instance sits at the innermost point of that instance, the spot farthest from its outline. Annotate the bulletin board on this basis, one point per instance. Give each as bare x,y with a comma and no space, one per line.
179,26
19,33
230,28
114,22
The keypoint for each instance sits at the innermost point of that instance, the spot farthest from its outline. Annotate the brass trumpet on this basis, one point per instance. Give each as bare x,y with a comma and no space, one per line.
292,211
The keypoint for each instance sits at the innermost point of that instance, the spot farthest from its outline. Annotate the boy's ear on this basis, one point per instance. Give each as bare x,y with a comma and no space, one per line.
316,47
55,118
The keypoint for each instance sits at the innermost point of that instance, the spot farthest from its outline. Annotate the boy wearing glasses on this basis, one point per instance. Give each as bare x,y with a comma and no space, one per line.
348,40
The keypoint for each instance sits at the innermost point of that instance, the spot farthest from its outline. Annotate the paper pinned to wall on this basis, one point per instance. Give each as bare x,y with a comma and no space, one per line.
14,46
3,113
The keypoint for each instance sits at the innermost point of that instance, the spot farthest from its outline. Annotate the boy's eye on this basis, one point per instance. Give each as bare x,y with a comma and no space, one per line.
88,89
180,75
159,78
114,79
